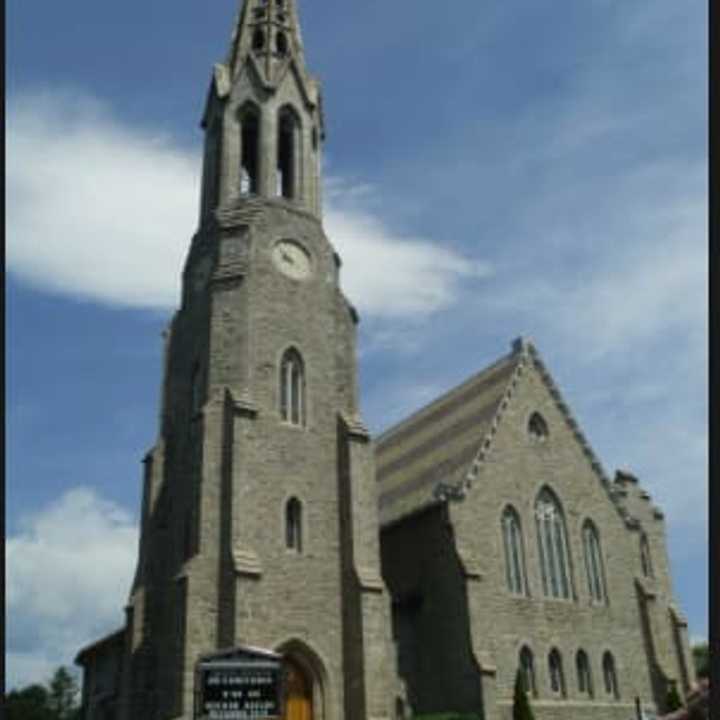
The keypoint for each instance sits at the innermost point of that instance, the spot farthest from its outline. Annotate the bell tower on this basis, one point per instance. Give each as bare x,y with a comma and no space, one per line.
270,145
259,523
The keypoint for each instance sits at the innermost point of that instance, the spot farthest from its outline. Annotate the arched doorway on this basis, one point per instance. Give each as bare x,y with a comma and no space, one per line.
299,692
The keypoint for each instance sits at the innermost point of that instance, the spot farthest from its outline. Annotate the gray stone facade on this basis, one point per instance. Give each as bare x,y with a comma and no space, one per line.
445,562
264,517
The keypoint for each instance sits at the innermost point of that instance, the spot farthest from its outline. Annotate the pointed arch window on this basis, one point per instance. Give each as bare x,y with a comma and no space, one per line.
514,552
593,562
610,676
557,677
292,388
552,546
258,40
537,427
645,560
293,525
584,677
249,150
288,140
527,670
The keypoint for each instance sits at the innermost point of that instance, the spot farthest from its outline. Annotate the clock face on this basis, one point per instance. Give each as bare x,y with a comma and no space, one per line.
292,259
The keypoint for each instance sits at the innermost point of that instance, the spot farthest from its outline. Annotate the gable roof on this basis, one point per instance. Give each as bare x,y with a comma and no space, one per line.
434,455
438,442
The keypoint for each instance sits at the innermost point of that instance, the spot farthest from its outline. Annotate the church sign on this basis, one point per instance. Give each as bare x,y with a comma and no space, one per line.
242,684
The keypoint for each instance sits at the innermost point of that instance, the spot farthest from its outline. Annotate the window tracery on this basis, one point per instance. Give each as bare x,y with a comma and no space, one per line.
593,562
552,546
514,552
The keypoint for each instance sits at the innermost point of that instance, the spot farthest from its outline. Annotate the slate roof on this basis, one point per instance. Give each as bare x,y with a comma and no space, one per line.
439,442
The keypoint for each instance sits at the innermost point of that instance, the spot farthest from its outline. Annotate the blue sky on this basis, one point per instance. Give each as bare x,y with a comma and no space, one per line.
492,169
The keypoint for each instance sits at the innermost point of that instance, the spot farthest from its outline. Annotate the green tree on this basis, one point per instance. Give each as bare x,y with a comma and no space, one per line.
28,703
63,695
672,701
57,701
521,704
701,659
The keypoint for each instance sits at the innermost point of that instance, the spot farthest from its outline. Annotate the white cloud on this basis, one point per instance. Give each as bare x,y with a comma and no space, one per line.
106,212
95,209
68,576
393,277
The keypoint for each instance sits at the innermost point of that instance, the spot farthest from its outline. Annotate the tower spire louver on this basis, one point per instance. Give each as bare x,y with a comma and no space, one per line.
268,31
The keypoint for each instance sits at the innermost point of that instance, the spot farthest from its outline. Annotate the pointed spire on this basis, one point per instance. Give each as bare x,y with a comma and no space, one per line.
269,32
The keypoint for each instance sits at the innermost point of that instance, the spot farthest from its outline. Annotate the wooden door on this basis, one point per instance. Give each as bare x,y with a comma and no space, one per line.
298,705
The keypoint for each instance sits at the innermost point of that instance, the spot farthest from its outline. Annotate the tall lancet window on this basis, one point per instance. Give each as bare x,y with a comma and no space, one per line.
287,153
557,677
593,562
293,525
249,147
552,546
527,670
610,676
292,388
584,678
514,555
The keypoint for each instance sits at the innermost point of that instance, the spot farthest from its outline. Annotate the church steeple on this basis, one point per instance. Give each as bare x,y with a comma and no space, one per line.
263,120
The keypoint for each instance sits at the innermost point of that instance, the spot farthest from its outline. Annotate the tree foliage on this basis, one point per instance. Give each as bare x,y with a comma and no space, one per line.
57,701
672,701
701,658
521,704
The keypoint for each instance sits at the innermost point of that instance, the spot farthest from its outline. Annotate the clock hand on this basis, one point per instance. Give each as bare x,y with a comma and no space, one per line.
288,258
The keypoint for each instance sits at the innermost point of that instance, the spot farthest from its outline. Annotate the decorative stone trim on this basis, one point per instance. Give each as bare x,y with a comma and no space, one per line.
646,588
356,429
247,562
370,580
245,407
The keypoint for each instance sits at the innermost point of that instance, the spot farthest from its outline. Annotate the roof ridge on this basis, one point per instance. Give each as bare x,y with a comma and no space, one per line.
415,415
458,491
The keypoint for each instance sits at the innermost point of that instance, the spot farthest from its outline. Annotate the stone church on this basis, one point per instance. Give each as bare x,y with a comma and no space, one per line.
408,575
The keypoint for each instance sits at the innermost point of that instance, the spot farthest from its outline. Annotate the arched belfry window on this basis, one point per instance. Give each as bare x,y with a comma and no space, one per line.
610,676
293,525
249,150
645,559
593,562
514,553
281,44
258,40
552,546
527,670
584,677
557,676
537,427
288,141
292,388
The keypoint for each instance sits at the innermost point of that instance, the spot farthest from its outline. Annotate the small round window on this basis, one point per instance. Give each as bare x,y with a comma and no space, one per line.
537,427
